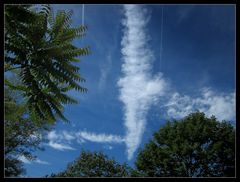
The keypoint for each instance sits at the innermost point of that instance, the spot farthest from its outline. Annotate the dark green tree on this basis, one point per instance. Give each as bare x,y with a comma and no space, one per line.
194,146
21,135
39,45
13,167
94,164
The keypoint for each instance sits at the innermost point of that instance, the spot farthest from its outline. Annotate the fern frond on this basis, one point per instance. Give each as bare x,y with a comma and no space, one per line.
43,51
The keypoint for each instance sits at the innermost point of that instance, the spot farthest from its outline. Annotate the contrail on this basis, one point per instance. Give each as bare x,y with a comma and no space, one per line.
139,89
83,14
161,41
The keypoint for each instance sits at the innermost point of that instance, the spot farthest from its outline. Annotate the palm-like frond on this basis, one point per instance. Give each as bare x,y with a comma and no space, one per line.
42,48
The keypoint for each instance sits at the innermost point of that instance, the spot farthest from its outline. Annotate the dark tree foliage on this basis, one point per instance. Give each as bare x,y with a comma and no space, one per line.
13,167
94,164
21,135
39,44
194,146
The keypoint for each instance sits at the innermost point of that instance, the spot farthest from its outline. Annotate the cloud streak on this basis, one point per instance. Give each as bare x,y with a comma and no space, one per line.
104,71
221,105
38,161
62,140
41,162
138,87
99,138
24,159
60,146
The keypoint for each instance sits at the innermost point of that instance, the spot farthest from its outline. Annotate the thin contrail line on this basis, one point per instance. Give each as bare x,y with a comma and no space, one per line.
161,41
83,14
83,18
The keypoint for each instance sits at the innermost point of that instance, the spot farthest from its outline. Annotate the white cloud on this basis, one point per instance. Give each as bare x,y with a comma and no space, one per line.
100,138
221,105
104,71
80,140
138,88
179,106
52,135
68,136
60,146
41,162
26,161
60,141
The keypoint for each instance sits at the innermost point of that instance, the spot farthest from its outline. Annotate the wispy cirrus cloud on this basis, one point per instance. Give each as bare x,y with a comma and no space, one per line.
60,146
26,161
104,71
100,138
221,105
139,89
58,137
60,141
41,162
63,139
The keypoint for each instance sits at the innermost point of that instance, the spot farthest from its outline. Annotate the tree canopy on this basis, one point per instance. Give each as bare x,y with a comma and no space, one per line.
21,135
193,146
39,54
94,164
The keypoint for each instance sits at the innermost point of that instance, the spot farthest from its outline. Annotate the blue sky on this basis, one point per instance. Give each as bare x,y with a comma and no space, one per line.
134,87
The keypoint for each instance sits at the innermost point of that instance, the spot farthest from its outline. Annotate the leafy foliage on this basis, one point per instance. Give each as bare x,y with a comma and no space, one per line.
40,45
94,165
21,135
194,146
13,167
